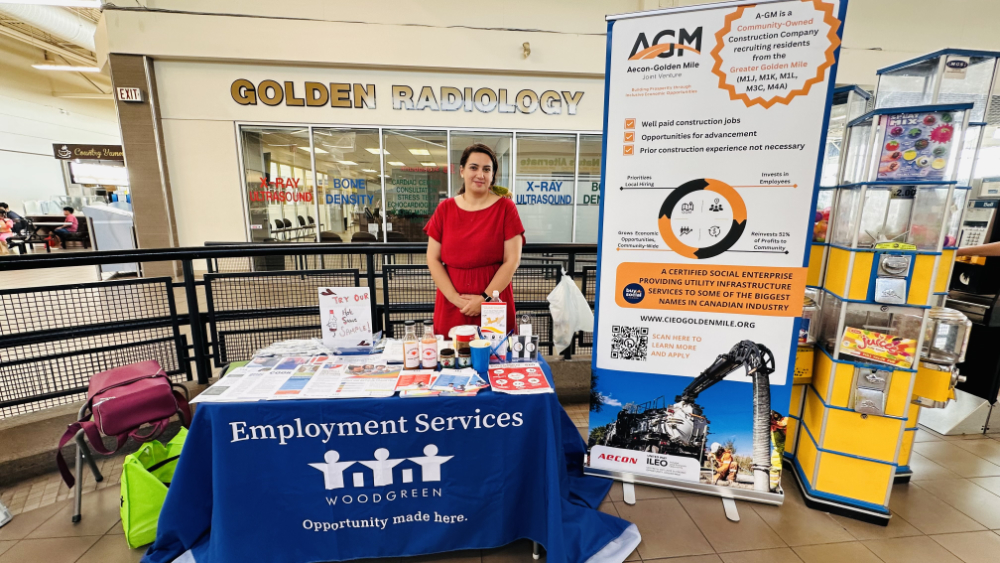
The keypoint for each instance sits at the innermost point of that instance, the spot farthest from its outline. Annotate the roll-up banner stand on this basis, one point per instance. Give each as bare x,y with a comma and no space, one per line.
715,123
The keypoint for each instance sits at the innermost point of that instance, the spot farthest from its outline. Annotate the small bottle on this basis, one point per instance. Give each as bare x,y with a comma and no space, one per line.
496,296
429,347
411,346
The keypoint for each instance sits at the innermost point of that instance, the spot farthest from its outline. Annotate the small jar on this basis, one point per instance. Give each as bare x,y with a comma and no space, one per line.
463,335
464,357
447,358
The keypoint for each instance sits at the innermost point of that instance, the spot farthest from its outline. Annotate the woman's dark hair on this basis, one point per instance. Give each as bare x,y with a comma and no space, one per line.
483,149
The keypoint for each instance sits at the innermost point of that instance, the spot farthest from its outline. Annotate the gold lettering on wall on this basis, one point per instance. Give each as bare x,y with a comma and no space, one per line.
316,94
340,95
364,96
270,92
243,92
445,98
290,98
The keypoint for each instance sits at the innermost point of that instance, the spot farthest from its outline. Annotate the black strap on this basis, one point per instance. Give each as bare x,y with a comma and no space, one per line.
156,466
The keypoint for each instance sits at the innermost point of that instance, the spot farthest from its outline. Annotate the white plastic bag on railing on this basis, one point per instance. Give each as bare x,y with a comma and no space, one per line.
570,312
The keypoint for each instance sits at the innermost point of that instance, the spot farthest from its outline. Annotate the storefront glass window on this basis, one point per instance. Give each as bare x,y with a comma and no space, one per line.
279,184
501,144
588,192
545,186
416,180
350,191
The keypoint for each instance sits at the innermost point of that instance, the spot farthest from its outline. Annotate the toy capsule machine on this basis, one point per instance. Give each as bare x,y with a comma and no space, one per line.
849,103
948,76
893,207
856,407
804,360
946,337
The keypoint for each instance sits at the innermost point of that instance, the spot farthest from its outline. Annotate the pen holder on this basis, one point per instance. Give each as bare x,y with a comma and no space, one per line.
480,356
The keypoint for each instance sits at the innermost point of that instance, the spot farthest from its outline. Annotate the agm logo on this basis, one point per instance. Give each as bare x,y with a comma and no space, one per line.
381,468
672,42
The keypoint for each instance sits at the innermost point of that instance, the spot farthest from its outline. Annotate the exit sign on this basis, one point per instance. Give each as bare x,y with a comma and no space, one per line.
129,94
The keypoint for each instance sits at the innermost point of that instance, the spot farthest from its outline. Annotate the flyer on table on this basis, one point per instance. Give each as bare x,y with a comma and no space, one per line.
715,124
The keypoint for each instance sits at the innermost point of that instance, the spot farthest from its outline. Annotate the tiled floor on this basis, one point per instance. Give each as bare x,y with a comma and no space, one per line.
949,513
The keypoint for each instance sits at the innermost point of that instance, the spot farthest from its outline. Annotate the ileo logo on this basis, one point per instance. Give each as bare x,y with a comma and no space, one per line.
665,44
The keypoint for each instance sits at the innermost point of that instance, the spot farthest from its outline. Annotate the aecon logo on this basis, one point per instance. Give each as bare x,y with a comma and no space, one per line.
619,458
381,468
633,293
672,42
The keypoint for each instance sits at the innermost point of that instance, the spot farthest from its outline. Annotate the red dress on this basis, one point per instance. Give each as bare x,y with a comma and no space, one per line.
472,252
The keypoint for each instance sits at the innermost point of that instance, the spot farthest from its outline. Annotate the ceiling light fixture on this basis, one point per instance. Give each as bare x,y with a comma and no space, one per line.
420,152
375,151
71,68
347,162
396,163
368,170
428,164
317,149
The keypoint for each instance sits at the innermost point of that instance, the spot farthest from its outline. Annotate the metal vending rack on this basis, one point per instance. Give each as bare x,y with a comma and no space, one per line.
943,77
884,266
849,102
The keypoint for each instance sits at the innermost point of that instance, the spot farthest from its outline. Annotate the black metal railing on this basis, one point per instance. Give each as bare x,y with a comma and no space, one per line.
54,338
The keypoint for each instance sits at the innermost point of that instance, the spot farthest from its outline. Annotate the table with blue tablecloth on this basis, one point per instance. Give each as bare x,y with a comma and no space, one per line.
303,481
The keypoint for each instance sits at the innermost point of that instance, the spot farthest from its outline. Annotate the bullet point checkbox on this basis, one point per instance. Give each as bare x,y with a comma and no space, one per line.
629,136
630,123
628,150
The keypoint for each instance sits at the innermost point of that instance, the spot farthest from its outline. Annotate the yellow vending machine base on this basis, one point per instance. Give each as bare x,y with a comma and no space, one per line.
903,471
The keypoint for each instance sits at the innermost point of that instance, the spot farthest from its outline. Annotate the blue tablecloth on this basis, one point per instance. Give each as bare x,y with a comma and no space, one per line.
331,480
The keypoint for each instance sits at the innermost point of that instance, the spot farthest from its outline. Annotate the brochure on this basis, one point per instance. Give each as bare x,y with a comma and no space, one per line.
458,383
416,380
368,380
523,378
324,383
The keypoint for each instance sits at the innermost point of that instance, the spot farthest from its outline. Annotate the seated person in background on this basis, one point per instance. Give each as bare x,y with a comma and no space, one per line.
6,226
70,226
10,214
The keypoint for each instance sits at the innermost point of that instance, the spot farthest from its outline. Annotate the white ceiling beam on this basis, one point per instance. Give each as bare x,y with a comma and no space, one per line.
54,49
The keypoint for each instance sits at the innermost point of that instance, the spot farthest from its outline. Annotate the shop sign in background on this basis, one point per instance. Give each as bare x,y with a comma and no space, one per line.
715,121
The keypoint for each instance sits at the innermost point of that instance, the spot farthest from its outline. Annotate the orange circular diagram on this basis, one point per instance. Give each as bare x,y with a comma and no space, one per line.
702,218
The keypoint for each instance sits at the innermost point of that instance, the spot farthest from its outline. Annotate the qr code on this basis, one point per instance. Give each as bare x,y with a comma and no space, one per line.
629,342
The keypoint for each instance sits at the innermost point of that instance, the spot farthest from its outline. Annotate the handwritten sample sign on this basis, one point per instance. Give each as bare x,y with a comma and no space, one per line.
346,315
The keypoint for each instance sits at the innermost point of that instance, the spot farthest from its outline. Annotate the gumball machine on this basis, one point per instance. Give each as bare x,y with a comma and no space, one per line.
849,102
890,217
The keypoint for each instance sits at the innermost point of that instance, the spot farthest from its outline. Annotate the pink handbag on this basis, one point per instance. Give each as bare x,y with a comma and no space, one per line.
120,401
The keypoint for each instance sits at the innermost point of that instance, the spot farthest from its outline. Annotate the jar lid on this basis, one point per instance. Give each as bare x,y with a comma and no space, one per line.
465,330
946,314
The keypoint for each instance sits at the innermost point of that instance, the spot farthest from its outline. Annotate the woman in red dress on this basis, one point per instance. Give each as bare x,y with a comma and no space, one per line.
474,245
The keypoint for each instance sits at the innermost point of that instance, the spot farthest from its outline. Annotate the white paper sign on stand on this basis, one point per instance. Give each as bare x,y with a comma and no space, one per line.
346,314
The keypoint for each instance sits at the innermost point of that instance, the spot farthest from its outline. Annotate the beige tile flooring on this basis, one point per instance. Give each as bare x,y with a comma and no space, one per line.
950,512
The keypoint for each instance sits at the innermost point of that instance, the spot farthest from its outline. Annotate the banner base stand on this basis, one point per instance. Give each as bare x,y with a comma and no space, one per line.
628,493
832,506
712,490
732,513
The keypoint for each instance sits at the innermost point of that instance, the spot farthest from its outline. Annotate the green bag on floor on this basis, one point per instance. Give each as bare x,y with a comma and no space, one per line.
146,475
